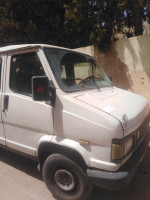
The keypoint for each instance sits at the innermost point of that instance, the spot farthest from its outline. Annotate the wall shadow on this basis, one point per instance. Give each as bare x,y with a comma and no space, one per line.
135,52
144,51
139,49
113,66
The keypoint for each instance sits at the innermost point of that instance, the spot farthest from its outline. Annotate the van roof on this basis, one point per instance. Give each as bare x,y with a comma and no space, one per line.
25,46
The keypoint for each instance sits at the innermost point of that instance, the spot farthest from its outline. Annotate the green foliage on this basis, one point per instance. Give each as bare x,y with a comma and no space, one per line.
94,19
101,20
71,23
134,15
32,21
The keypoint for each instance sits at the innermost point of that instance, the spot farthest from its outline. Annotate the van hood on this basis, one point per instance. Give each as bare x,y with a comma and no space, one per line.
129,108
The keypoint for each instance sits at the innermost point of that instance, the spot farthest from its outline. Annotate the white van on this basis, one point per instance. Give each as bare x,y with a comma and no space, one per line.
60,108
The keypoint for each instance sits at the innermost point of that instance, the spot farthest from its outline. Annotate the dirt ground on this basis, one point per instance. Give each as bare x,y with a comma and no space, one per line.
20,180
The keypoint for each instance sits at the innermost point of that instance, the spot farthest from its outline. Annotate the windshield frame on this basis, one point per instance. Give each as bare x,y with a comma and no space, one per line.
82,54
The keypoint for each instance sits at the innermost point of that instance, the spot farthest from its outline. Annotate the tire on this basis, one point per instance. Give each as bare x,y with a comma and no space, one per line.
65,179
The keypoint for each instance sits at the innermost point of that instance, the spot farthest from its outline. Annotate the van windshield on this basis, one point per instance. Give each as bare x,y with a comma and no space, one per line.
76,71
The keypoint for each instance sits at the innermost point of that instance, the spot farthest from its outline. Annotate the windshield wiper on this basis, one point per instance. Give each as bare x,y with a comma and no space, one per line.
102,86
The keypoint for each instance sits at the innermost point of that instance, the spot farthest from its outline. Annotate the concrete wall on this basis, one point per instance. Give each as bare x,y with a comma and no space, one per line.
128,61
88,50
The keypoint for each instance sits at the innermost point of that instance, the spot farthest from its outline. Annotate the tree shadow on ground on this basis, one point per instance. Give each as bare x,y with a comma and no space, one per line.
21,163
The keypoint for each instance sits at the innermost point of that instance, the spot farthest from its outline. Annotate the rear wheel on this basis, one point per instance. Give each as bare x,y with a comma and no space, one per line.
65,179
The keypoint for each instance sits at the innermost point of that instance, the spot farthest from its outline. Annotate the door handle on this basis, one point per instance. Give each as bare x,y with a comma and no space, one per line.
6,102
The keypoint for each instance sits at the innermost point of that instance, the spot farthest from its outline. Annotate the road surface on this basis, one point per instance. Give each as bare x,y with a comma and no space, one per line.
20,180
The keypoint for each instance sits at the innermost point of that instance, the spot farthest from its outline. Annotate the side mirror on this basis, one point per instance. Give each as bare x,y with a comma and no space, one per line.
40,88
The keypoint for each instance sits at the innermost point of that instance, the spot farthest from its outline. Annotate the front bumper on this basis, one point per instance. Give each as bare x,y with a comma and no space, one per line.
120,179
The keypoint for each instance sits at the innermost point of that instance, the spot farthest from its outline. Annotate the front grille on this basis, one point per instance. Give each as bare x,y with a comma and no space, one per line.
142,130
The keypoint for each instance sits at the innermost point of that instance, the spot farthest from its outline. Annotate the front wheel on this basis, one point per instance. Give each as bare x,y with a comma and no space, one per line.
65,179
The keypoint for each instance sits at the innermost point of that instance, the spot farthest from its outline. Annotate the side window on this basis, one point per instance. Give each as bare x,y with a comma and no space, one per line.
23,68
0,70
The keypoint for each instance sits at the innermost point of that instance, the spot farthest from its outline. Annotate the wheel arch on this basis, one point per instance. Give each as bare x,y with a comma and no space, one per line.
46,149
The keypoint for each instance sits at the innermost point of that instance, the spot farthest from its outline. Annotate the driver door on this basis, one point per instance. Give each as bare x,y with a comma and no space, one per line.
25,120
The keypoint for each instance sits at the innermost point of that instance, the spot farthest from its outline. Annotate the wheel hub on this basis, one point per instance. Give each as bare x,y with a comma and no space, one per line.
64,180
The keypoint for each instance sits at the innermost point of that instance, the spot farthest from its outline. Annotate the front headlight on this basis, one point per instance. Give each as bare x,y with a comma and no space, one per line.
120,148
